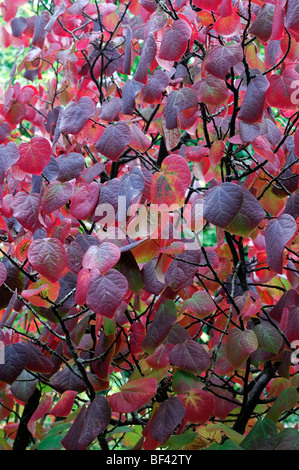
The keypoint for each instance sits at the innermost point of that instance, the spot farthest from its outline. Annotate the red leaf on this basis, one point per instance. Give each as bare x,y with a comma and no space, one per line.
239,345
35,156
199,405
40,411
102,257
137,335
56,195
281,93
211,91
133,395
200,304
65,404
170,185
85,201
210,5
48,257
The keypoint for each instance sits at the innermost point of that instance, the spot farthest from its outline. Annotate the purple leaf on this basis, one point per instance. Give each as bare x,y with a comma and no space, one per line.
70,166
96,419
252,108
248,217
182,268
110,109
75,116
66,379
128,53
190,356
71,439
56,195
277,234
152,92
222,58
37,361
40,32
178,101
25,208
106,292
158,330
263,23
129,92
222,203
15,360
24,386
148,53
168,416
131,186
292,205
114,140
175,41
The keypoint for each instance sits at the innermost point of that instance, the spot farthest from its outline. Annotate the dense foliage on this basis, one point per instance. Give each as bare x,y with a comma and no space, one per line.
149,279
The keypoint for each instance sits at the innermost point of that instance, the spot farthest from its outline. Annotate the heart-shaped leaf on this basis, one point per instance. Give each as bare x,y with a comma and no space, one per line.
199,405
222,58
239,345
106,292
75,116
133,395
170,185
48,257
35,155
222,203
190,356
175,40
114,140
56,195
102,257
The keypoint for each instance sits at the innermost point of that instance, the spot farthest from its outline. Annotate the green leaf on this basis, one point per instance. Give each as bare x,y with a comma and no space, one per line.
180,440
285,401
268,337
288,439
263,436
227,445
